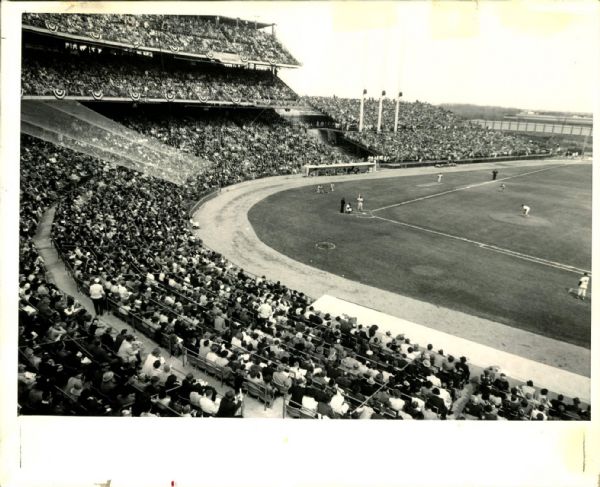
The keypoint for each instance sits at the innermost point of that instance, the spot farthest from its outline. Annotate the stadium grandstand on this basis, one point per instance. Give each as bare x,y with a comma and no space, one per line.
422,132
129,122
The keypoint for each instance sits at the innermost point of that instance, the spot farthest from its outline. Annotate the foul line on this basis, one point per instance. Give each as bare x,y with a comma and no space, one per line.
494,248
462,188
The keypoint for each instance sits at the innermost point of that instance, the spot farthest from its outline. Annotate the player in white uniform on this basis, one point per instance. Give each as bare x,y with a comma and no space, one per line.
583,285
331,187
502,187
525,210
359,202
439,177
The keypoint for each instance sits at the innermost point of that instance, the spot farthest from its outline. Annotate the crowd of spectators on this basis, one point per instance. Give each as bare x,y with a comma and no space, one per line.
241,144
130,236
202,35
77,72
70,362
425,132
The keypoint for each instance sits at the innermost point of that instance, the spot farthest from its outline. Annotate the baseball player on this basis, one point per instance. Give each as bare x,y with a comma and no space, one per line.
583,285
359,202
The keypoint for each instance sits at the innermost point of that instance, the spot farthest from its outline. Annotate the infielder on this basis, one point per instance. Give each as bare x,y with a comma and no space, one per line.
583,285
439,177
525,210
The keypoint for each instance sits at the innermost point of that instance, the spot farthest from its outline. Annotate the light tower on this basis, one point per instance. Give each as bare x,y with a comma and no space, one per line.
380,111
362,110
397,111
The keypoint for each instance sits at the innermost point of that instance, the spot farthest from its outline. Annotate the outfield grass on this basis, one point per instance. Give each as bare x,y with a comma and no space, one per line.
444,271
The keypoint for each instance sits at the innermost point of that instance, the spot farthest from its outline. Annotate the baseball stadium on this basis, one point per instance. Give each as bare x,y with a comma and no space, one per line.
199,239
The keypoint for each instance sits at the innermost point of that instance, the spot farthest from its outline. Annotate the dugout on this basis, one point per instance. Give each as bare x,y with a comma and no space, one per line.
336,169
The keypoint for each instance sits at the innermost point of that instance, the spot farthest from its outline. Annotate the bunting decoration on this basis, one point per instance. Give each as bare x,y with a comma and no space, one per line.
59,93
210,54
169,95
95,35
135,96
237,99
51,26
97,94
201,97
174,48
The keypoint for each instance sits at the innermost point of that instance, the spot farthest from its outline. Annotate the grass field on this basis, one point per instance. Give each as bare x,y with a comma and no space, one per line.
467,248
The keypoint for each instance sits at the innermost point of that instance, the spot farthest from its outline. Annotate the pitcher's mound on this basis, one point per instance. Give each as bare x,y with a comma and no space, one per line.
518,219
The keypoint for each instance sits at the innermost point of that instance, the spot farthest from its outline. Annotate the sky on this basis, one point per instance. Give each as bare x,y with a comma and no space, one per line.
535,55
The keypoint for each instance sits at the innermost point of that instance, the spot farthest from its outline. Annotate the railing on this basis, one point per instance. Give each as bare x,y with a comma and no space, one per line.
284,103
203,199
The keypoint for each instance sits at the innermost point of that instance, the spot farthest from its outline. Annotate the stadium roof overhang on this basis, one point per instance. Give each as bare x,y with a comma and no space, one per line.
210,56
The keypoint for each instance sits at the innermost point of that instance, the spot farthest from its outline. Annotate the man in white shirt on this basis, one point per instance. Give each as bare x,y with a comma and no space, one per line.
583,285
195,398
338,403
123,291
205,347
309,403
445,395
265,311
365,411
207,405
128,351
212,356
396,403
149,362
97,296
